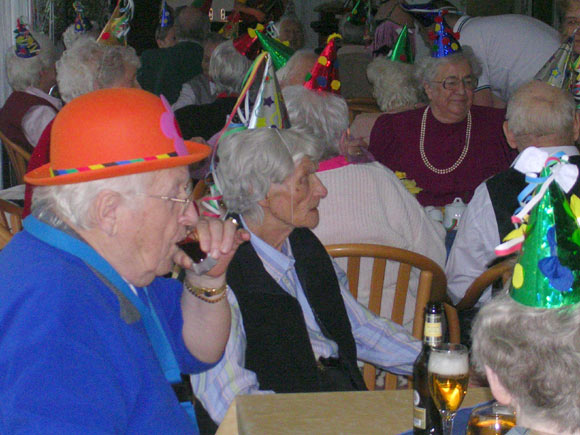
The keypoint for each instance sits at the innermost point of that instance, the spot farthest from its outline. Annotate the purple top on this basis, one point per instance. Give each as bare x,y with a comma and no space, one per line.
395,139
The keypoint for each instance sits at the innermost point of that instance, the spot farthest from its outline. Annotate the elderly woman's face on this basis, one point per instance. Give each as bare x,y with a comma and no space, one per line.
294,203
451,92
154,229
571,22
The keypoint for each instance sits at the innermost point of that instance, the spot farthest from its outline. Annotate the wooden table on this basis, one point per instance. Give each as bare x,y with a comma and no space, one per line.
369,412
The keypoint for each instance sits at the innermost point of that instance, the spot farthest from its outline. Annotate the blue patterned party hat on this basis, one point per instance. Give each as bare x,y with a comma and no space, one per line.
445,41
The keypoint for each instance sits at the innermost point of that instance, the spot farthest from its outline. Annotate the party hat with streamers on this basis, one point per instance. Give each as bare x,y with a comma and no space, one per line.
278,51
547,274
26,46
402,50
444,39
82,24
558,70
269,109
324,74
116,30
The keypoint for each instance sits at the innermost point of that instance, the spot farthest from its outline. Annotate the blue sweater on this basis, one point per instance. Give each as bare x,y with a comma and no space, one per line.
69,362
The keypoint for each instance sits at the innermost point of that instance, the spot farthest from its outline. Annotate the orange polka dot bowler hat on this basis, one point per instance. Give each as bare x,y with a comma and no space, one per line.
114,132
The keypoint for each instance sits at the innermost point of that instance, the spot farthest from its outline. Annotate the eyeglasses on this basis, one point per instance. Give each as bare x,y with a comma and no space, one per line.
453,83
185,202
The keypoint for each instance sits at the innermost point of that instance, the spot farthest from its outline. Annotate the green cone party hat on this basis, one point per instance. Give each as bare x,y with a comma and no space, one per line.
547,274
279,52
402,51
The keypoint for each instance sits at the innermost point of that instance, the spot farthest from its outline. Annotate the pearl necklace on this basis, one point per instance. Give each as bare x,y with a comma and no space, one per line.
422,146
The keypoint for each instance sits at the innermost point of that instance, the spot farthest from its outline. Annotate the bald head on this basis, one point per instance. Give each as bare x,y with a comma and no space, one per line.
541,115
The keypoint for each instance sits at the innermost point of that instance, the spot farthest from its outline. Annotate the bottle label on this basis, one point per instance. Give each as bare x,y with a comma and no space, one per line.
433,329
419,418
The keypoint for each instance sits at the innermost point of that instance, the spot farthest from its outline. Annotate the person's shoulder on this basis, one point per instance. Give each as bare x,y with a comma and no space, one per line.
488,114
405,116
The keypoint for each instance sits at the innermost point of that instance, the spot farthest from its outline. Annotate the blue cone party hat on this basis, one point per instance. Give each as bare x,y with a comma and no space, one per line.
82,24
269,109
165,17
558,70
445,41
547,273
26,45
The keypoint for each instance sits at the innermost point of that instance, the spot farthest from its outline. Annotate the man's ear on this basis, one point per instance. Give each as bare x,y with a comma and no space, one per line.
510,137
104,211
500,393
428,90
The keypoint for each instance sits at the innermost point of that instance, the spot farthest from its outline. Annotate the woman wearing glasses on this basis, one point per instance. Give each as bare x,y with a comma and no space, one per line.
449,146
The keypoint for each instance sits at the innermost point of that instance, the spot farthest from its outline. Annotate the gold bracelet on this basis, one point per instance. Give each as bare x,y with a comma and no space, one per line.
204,293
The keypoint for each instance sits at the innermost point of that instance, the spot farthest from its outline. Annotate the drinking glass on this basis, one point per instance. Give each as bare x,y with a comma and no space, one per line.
491,419
448,372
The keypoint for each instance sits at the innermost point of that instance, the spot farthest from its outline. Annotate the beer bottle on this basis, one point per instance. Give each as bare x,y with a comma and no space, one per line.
426,417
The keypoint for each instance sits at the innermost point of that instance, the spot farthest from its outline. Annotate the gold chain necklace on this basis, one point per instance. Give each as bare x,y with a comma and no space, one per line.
422,146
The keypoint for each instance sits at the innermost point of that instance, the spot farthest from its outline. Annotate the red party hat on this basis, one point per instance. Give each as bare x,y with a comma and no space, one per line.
248,44
324,74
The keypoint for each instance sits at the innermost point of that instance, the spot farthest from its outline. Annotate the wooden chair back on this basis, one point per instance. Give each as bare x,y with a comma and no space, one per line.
18,156
357,106
432,286
10,221
475,290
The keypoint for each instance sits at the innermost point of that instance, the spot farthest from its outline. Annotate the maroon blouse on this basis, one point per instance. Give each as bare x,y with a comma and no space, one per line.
394,142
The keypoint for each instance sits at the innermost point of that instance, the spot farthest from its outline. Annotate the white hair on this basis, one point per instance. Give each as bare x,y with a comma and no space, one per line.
427,67
24,73
538,109
227,68
191,24
73,201
295,63
70,35
320,114
251,160
536,355
89,66
393,83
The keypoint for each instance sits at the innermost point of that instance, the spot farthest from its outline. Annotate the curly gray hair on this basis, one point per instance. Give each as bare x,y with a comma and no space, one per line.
536,355
394,85
251,160
23,73
320,114
227,68
89,66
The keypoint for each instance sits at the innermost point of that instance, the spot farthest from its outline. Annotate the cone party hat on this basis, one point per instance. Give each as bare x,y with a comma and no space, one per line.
324,74
278,51
230,28
402,50
358,14
165,17
116,30
82,24
445,41
269,109
547,274
248,44
25,44
558,70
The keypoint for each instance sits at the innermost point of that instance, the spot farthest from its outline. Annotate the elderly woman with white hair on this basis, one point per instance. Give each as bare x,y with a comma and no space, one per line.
29,108
449,146
531,357
366,202
84,68
295,325
227,69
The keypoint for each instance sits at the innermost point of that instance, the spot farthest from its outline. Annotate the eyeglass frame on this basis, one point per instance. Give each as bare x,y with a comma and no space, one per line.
475,81
188,200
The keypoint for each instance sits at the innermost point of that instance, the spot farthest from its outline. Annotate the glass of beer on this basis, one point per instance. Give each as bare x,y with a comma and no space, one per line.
491,419
448,370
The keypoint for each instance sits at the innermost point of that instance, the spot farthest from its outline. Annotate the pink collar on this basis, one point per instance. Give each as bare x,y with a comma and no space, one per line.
334,163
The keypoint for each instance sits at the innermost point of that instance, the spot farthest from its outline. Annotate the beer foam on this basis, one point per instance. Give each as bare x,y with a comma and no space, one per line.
448,364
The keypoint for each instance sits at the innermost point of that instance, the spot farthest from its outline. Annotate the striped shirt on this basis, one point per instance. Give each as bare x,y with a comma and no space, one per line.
378,340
